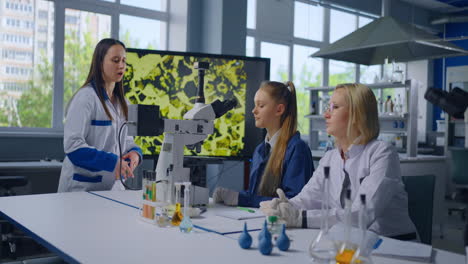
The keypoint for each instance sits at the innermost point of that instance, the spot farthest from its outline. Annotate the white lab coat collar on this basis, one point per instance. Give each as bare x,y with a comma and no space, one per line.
273,139
353,150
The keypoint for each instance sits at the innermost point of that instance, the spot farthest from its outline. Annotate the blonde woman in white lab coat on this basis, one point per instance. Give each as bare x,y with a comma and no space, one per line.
360,163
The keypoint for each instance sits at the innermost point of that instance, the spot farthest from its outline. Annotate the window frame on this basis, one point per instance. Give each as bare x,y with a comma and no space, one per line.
112,9
291,40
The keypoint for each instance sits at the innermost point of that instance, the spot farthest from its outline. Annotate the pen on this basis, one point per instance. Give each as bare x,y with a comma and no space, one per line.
377,244
246,209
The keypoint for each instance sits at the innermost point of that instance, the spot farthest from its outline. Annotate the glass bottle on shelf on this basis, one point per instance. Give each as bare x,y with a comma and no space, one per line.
388,106
399,106
313,109
323,249
397,73
330,144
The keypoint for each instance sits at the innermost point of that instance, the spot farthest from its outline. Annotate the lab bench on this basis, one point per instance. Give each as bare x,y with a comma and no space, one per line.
103,227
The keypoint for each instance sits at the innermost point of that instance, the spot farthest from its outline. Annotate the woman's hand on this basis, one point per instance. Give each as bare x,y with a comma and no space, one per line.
134,160
226,196
123,169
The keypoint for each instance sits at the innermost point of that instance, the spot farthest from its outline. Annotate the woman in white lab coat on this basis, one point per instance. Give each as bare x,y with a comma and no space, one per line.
360,163
93,119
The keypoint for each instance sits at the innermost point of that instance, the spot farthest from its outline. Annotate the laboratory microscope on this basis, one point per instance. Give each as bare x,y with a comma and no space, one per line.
191,131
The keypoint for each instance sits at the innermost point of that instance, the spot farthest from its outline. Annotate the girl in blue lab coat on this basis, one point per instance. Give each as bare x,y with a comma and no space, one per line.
94,116
283,160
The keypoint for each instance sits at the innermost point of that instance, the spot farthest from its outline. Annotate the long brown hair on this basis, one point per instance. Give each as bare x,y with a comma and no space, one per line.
281,93
96,72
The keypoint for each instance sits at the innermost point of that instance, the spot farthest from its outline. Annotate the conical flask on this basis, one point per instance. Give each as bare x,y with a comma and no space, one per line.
323,249
186,225
347,248
362,254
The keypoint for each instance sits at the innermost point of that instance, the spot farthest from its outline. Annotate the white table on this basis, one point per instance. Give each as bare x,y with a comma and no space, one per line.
87,228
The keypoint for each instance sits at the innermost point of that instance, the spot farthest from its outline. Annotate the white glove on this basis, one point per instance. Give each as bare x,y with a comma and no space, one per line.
282,208
227,196
193,212
267,205
273,204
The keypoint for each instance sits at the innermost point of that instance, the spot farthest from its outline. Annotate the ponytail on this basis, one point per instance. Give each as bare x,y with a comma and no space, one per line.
282,93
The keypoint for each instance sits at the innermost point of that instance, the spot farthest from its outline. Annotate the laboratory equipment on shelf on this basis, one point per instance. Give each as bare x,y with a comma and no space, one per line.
404,123
186,225
191,131
177,216
388,106
329,145
323,249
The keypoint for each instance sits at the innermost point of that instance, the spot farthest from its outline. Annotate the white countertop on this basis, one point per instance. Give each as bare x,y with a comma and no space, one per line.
87,228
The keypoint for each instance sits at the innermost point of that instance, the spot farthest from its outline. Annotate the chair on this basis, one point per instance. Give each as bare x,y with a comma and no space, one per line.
459,176
420,191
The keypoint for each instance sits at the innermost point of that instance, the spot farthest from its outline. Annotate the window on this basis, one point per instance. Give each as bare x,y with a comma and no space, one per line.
308,21
369,74
28,84
341,72
158,5
341,24
250,46
80,39
26,94
135,34
307,72
279,55
43,14
251,13
364,21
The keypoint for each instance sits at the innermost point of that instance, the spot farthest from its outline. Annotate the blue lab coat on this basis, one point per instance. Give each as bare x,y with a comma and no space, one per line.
297,170
90,143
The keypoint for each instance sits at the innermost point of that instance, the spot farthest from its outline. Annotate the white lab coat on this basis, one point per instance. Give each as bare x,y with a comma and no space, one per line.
374,170
90,143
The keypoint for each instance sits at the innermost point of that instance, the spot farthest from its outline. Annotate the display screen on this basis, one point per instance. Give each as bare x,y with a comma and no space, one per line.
168,79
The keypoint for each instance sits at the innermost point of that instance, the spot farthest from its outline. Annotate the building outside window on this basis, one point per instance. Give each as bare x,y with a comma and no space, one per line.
31,54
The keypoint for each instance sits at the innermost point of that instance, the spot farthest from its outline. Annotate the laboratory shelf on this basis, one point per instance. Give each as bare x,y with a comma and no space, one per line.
402,125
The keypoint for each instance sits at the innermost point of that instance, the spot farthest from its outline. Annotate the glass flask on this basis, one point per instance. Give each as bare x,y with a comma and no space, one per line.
323,249
362,254
347,248
177,216
186,225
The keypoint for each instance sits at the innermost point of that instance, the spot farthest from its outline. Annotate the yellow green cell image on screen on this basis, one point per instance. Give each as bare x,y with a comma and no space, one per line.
171,82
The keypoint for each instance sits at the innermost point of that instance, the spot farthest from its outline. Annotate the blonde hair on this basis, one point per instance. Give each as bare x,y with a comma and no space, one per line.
363,114
281,93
